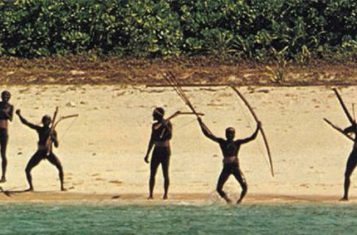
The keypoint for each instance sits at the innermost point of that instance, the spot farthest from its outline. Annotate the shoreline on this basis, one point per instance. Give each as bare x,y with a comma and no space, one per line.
174,199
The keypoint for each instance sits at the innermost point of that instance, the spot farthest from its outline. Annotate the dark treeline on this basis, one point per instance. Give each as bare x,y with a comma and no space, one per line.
244,29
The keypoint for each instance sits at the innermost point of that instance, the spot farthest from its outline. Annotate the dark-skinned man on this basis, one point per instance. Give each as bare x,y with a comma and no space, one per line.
44,151
6,114
161,134
351,162
230,149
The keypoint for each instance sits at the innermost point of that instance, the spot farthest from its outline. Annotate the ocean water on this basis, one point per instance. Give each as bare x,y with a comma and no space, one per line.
177,219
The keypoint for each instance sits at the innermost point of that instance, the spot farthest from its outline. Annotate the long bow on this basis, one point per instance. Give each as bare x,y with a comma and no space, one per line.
54,124
349,117
49,138
63,118
352,121
338,129
261,128
171,79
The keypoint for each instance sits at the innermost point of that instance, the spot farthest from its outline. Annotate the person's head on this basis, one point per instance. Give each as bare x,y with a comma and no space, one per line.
5,96
230,133
158,114
46,120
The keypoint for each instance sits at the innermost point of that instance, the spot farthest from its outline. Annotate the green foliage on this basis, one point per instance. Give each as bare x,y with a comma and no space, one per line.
151,28
248,29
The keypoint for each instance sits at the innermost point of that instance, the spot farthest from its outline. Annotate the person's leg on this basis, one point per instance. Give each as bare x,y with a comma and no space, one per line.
56,162
153,169
221,180
35,159
240,178
3,146
165,171
350,166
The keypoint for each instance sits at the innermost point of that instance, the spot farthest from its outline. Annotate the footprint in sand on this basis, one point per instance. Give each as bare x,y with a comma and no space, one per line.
304,185
263,91
24,90
118,182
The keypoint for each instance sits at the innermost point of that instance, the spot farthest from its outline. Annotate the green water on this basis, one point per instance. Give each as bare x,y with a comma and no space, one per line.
177,219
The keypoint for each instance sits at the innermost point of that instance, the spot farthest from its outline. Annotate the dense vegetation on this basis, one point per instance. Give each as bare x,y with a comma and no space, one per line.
247,29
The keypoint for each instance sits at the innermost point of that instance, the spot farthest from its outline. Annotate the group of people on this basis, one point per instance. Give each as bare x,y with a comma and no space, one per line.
161,135
47,138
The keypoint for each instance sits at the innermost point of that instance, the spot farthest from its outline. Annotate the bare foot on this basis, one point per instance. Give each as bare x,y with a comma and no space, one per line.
344,199
3,179
29,190
150,197
165,197
228,200
63,189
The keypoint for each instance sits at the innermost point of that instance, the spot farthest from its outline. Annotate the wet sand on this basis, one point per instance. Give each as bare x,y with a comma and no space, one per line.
175,198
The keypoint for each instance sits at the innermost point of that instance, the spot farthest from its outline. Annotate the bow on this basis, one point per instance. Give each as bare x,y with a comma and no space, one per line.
352,121
63,118
349,117
49,138
171,79
261,128
338,129
171,117
175,115
54,124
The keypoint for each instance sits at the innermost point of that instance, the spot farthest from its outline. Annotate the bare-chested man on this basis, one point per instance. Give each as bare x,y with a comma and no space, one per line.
230,149
44,150
351,162
160,139
6,113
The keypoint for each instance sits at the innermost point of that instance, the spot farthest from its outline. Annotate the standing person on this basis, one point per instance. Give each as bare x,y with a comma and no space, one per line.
6,114
161,135
44,151
230,149
351,162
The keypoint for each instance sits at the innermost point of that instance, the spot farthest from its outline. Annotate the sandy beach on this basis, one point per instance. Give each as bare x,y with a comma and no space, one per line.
102,150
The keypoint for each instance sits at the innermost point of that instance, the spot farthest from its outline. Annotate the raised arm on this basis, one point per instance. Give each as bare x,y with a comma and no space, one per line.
207,131
351,129
252,137
24,121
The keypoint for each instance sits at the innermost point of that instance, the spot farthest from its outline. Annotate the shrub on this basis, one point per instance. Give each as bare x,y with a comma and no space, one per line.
157,28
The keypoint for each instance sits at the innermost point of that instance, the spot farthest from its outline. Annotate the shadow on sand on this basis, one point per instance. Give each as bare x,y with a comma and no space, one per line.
9,193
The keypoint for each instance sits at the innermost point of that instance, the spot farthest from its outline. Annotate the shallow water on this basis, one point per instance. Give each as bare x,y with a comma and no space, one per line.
177,219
